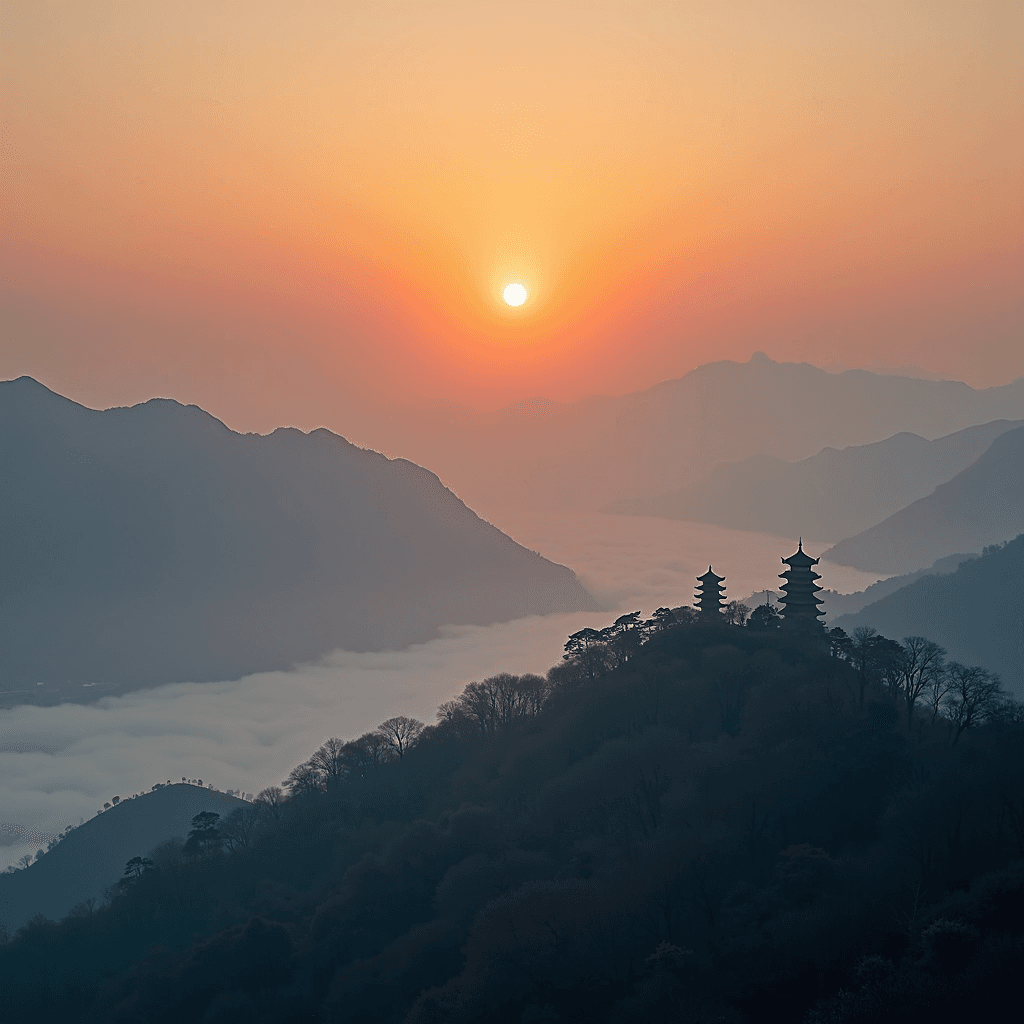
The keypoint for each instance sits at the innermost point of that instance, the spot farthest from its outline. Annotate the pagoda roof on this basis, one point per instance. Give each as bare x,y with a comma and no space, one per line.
710,577
800,559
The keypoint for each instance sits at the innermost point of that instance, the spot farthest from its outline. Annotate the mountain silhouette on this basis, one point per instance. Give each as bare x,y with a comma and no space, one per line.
831,495
599,450
976,612
152,544
980,506
835,604
93,855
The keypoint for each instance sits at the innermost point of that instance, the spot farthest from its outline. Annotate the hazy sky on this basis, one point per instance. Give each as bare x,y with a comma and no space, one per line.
283,210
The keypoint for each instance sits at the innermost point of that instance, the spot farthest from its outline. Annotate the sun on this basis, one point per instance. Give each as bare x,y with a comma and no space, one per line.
515,294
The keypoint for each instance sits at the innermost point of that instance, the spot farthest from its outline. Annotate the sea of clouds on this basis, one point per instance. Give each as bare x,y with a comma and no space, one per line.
59,764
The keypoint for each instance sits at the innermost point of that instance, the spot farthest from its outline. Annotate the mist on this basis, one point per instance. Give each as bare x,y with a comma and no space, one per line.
59,764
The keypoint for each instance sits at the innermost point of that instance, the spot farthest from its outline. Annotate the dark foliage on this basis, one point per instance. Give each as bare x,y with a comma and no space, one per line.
682,822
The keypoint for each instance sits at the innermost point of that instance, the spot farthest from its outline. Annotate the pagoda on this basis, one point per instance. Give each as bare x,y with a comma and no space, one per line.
800,599
710,594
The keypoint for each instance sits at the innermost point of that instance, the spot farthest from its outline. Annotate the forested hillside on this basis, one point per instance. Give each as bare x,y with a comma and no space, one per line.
975,612
679,823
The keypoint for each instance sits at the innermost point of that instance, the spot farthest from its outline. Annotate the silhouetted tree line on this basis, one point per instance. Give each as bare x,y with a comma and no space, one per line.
681,821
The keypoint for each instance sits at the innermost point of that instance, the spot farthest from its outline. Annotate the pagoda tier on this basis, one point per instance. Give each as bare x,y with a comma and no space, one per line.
800,593
710,594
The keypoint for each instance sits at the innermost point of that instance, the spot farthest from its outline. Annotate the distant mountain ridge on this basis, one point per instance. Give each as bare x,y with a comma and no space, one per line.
93,855
831,495
835,604
982,505
591,453
152,544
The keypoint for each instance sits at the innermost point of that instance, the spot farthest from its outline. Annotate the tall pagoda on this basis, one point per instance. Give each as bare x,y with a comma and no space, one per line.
800,599
710,594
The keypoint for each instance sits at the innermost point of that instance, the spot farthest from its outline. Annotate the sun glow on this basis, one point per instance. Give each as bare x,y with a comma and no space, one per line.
515,294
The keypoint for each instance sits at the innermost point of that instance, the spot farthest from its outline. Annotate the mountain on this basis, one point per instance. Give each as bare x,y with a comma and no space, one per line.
588,454
980,506
976,613
835,604
829,496
152,544
93,855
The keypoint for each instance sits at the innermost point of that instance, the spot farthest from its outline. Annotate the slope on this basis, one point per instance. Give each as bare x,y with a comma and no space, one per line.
829,496
93,855
976,613
153,544
980,506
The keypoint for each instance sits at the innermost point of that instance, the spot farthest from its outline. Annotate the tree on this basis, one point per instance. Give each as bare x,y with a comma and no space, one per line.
25,859
400,733
496,704
304,779
204,839
329,759
134,870
623,638
934,695
239,826
736,613
974,694
839,643
662,619
764,617
921,662
862,657
685,615
586,647
270,800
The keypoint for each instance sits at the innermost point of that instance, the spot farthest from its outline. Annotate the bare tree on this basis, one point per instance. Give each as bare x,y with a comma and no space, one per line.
974,694
305,779
401,733
238,827
736,613
935,692
921,662
271,799
496,704
362,756
329,758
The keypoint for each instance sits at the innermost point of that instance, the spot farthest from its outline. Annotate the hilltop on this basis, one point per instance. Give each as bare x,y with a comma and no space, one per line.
93,855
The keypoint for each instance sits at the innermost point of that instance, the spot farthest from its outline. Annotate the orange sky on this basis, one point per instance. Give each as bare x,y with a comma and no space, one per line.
282,211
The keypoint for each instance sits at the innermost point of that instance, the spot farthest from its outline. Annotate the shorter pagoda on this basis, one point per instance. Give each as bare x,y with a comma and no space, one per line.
710,594
800,599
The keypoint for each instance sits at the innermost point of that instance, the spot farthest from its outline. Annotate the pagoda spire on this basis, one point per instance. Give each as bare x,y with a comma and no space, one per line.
800,599
710,594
